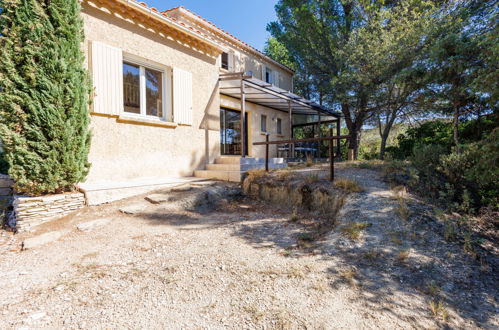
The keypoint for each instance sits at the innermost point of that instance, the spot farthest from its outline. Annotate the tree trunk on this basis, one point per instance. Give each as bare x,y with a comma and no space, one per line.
456,128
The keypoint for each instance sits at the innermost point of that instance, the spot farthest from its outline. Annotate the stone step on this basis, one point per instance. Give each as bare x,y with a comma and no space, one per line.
223,167
228,160
233,176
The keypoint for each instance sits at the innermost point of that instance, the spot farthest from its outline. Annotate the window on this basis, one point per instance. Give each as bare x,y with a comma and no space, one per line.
263,123
225,61
268,76
143,90
279,126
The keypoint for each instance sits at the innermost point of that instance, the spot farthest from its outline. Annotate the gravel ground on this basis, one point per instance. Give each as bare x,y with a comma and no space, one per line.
238,266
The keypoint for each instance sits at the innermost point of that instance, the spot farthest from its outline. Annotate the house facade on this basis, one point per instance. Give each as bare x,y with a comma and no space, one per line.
164,104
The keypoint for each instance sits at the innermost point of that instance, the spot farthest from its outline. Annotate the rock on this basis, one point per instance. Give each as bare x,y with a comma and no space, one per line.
89,226
133,209
181,188
38,315
42,239
157,198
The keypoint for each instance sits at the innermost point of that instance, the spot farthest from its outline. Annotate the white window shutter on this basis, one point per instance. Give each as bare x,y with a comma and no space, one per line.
276,79
231,61
107,77
182,96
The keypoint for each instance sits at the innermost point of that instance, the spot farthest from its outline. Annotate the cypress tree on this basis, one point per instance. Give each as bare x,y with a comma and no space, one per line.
44,95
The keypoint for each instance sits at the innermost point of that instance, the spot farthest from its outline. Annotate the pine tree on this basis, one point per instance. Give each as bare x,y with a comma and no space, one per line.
44,94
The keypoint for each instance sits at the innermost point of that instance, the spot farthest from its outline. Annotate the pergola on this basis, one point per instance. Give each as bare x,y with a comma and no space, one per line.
247,88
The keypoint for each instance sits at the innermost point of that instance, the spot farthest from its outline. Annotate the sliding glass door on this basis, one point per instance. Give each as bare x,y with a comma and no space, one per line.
230,132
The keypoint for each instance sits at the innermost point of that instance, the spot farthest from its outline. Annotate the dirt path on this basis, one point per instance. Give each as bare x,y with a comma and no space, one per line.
238,267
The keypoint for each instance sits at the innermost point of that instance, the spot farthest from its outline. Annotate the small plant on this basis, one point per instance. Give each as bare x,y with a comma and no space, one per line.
439,213
371,255
449,231
395,237
403,256
349,275
402,209
312,178
310,160
288,251
307,237
432,289
348,185
438,310
399,192
468,242
353,230
294,215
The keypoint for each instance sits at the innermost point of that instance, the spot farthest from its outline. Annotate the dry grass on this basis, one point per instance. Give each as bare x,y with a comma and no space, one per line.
254,312
310,161
348,185
371,255
402,210
403,255
349,276
284,174
312,178
353,230
258,173
438,310
294,215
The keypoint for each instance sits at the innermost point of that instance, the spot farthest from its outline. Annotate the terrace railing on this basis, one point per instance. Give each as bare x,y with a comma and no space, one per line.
292,142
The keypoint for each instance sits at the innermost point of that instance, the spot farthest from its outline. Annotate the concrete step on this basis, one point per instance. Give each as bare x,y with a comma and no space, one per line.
223,167
233,176
228,160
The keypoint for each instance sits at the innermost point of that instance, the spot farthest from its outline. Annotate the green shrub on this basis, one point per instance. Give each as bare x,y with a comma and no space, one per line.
45,95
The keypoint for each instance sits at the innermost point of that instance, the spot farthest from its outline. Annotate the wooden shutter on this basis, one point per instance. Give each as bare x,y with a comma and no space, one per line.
231,61
276,78
182,96
264,70
107,77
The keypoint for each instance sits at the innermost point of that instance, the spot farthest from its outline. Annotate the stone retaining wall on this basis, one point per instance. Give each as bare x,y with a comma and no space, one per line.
32,211
297,194
5,195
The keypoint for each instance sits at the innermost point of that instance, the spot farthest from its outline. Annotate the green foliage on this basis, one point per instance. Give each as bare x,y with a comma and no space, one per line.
464,181
277,51
45,94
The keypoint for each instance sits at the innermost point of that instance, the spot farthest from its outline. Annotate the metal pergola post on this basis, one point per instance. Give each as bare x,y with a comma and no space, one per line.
338,144
244,152
291,146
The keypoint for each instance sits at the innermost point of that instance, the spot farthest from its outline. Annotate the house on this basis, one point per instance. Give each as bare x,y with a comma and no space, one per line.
176,96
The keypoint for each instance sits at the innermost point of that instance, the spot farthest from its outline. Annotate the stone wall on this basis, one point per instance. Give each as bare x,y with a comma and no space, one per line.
5,195
32,211
320,198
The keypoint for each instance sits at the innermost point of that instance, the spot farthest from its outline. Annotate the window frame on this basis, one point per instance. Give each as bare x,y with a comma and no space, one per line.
279,126
263,122
165,92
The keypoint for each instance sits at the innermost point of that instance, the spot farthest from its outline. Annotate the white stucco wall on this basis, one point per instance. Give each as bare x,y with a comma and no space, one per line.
123,151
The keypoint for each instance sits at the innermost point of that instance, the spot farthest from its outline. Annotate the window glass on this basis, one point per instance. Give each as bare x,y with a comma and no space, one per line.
154,93
279,126
225,61
268,76
264,123
131,87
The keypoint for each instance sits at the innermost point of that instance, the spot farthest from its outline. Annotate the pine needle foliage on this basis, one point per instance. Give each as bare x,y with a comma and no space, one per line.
45,93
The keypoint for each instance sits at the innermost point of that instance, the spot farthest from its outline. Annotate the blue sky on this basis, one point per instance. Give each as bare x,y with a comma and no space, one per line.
245,19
